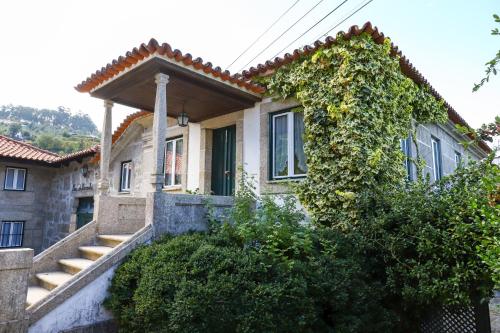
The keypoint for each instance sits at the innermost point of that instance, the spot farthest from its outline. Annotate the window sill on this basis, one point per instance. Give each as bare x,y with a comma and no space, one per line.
285,180
124,193
14,190
172,188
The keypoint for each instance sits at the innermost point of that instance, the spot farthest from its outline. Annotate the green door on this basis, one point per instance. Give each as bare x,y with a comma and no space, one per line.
224,160
84,211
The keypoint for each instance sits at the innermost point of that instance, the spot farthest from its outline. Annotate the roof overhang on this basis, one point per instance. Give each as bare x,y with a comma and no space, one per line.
200,95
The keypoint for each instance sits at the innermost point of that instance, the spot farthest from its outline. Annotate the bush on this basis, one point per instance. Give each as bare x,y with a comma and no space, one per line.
266,272
437,244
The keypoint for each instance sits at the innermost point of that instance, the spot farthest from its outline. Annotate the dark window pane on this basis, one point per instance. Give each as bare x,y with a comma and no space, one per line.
17,234
178,162
300,166
168,163
4,241
9,179
20,179
280,146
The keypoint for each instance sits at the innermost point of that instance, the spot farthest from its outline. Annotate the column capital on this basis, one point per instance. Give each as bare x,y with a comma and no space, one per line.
162,79
108,103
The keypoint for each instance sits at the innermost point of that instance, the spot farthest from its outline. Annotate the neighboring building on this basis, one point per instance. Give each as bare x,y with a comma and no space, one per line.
42,194
196,128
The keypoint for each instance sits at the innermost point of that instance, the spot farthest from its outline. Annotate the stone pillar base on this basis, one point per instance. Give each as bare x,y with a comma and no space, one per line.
157,182
15,266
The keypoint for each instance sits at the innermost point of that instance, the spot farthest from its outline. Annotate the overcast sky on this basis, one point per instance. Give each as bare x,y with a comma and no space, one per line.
47,47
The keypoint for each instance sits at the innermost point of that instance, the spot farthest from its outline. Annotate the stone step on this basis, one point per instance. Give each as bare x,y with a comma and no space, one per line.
75,265
36,294
51,280
94,252
113,240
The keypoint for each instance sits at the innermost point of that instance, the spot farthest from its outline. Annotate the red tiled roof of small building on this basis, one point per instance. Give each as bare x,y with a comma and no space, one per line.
11,148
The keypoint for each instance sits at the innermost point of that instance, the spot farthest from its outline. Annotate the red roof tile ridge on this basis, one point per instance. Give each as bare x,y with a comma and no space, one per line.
81,153
52,155
153,47
117,134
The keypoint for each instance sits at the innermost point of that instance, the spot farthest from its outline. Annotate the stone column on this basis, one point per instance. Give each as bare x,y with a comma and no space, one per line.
106,139
15,265
159,132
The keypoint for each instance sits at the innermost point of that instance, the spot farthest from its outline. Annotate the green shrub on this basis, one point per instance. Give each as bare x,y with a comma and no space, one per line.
437,244
268,274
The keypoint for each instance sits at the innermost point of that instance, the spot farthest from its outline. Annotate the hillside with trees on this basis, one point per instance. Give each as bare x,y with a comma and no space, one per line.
60,131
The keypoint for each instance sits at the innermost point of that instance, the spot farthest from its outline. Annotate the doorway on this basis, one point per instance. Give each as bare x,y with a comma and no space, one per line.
84,211
224,160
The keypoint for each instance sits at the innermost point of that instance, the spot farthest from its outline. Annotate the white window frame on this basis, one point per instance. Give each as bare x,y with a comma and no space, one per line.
407,152
436,158
125,176
10,240
458,159
14,183
172,169
290,146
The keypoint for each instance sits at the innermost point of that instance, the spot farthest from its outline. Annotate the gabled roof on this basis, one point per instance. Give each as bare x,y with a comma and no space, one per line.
144,51
406,66
19,150
10,148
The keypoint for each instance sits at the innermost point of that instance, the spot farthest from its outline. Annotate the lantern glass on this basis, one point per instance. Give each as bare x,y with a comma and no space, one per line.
183,119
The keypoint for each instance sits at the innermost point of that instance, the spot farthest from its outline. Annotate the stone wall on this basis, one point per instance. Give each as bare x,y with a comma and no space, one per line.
67,186
14,270
179,213
28,205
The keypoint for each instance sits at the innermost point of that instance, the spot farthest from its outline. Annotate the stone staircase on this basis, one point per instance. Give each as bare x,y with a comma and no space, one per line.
70,268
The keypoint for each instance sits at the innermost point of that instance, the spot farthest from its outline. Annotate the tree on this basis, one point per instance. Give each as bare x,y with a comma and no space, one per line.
14,129
491,66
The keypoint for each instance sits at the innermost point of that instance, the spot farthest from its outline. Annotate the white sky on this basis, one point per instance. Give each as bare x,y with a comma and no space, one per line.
47,47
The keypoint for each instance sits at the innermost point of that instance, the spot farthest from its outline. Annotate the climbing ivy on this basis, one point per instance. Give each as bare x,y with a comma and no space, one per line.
357,106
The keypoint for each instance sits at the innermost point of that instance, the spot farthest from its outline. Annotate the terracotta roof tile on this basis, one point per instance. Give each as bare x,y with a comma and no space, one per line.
79,154
122,128
406,66
19,150
154,48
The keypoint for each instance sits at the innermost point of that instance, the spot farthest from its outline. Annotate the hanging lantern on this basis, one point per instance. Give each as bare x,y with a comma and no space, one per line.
183,119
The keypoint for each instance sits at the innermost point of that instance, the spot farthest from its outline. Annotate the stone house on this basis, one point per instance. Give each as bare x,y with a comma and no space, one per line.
196,126
42,194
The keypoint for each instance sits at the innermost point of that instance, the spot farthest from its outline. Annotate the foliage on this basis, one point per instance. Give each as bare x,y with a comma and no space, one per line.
59,131
438,244
491,66
267,272
487,132
357,106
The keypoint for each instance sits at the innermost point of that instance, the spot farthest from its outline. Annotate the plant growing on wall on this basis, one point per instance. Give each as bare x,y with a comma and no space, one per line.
357,106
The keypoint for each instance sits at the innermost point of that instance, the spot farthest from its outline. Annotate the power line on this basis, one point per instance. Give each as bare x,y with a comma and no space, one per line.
314,25
345,19
262,34
284,32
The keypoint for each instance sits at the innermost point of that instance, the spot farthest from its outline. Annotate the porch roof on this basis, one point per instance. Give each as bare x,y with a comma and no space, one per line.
202,90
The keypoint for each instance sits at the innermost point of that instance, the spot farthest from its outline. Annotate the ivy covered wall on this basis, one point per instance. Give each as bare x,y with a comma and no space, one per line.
357,106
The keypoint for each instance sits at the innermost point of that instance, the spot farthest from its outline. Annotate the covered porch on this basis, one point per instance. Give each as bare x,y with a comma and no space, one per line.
174,88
